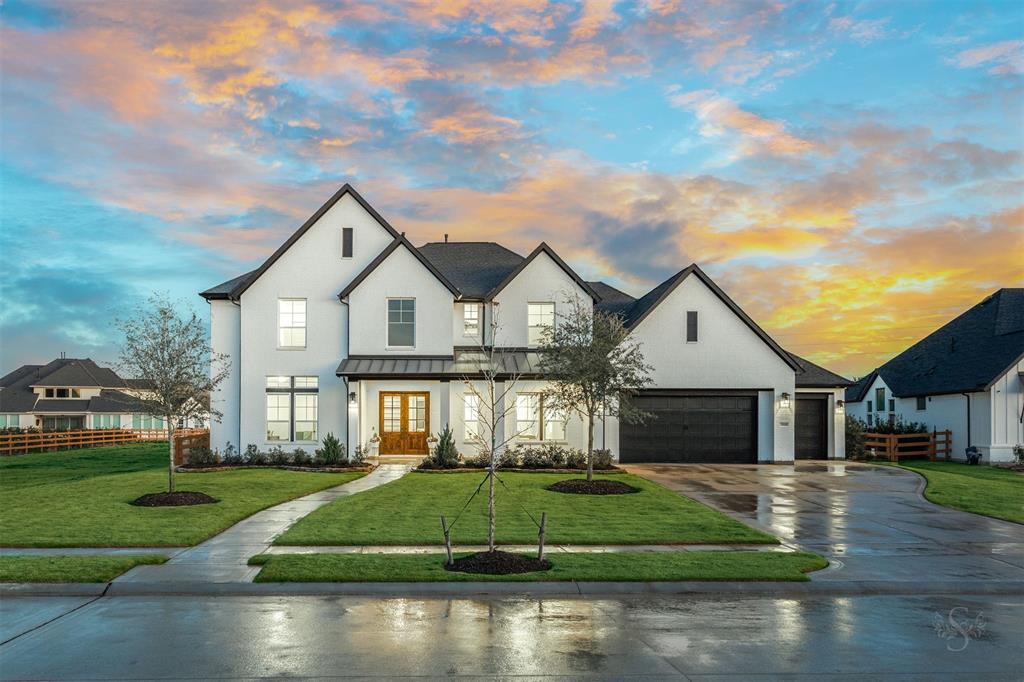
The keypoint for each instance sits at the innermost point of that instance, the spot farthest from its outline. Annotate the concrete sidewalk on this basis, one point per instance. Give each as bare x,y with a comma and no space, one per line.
224,557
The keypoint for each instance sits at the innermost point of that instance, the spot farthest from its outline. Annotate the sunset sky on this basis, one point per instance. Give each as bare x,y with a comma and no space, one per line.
851,173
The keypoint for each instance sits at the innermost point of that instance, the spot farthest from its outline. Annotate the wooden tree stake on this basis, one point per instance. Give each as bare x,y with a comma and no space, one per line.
447,540
543,525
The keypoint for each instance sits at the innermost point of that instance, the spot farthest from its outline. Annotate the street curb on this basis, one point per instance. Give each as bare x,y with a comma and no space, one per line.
864,588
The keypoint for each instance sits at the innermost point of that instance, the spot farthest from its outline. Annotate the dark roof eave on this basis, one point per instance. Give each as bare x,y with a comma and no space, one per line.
237,292
400,240
543,248
693,269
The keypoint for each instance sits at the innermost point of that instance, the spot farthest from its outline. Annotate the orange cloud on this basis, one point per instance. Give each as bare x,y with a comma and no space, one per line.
720,115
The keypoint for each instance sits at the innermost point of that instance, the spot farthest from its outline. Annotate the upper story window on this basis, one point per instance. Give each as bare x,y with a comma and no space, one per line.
471,319
291,323
691,326
922,403
880,399
63,393
401,322
346,242
539,317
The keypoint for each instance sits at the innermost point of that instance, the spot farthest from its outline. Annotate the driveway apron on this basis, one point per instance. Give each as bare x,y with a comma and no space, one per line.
224,557
870,521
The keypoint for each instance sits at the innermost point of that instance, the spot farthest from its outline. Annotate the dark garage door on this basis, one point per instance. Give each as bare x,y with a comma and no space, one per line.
692,428
811,428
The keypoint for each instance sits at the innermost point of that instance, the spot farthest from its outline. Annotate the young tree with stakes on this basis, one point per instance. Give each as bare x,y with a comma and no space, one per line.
172,353
489,388
594,366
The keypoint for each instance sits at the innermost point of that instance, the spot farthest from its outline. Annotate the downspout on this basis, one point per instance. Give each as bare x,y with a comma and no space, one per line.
968,396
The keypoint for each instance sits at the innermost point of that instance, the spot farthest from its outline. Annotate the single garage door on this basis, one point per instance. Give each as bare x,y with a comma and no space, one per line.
692,428
811,428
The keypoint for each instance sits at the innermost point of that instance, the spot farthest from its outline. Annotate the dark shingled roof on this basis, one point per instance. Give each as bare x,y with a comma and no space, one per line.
612,300
855,392
816,376
223,290
965,355
16,394
475,268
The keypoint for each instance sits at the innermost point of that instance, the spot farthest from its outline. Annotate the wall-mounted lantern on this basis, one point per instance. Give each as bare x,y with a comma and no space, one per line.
784,401
839,406
352,398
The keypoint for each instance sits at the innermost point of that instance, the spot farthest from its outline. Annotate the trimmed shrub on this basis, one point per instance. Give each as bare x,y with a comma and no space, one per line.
480,461
277,456
358,456
254,457
602,459
332,451
202,457
301,458
855,429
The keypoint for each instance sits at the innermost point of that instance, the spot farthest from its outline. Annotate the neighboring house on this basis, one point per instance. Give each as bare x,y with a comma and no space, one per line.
68,393
967,376
350,329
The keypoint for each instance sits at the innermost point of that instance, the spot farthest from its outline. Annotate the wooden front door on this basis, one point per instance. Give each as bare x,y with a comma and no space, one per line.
404,423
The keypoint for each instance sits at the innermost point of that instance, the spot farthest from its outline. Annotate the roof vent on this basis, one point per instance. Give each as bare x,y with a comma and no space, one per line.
445,237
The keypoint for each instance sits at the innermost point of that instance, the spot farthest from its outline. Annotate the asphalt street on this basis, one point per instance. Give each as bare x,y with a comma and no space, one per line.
181,637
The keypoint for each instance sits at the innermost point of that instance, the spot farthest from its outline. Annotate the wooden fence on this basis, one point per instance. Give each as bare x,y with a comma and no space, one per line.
47,441
185,440
893,446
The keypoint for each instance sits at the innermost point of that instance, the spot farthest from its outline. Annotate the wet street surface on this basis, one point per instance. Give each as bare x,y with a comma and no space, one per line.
869,521
179,637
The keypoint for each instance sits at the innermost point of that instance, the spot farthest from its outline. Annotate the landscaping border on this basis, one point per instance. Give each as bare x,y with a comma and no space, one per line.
367,468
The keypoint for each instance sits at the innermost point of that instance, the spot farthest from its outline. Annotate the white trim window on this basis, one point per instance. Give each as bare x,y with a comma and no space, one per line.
471,417
539,318
401,323
537,422
106,421
291,323
471,319
8,421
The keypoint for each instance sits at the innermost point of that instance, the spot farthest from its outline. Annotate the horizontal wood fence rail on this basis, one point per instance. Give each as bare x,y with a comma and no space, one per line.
13,443
893,446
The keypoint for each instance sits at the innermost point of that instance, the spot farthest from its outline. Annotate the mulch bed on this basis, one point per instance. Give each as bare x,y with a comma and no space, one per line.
497,563
286,467
183,498
581,486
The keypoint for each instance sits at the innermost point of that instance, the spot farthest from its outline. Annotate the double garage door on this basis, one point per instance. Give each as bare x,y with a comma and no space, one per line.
719,429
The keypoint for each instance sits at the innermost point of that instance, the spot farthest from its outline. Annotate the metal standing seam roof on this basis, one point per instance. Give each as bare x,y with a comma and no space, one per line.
465,363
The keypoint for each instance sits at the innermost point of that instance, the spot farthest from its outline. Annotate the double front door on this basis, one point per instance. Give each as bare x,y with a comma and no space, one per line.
404,423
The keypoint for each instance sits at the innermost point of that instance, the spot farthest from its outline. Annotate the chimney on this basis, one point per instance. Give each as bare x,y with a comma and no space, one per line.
445,237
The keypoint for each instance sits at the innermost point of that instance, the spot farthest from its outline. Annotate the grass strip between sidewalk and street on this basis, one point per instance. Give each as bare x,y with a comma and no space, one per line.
985,490
70,568
407,511
581,567
82,498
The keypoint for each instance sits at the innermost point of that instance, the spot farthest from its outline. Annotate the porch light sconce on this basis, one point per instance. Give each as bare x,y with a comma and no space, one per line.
784,401
839,406
352,398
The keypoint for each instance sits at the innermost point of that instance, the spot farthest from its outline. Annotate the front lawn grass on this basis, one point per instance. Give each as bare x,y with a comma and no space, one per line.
70,569
407,512
82,498
566,566
985,490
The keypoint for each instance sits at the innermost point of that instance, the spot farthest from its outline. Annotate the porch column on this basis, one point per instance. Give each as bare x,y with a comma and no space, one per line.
352,406
446,405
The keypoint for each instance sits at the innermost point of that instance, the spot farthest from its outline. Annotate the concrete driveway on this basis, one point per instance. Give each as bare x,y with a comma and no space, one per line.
870,521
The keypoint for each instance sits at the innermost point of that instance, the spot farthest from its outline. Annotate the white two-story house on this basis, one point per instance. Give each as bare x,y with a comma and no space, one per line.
350,329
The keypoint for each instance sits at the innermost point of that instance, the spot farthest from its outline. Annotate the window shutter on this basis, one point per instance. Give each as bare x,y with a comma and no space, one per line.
346,242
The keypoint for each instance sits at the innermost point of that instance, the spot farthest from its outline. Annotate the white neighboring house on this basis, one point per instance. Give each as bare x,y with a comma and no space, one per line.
967,377
350,329
71,393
